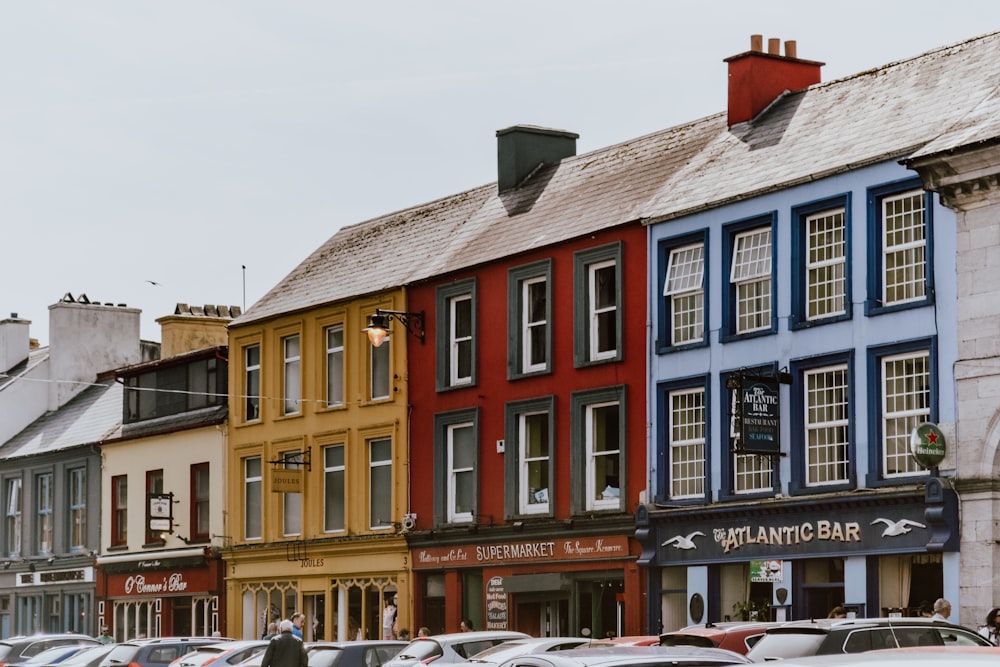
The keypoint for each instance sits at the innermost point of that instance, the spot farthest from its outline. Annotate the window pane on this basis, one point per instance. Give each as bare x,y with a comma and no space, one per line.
252,382
252,498
752,473
536,327
380,483
461,340
685,270
534,446
78,508
904,248
905,403
462,455
380,370
687,443
335,365
333,472
604,315
602,432
292,502
826,422
13,518
825,264
684,285
293,383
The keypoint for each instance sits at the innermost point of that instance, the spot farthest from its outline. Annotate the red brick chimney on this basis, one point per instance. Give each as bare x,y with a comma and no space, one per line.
757,78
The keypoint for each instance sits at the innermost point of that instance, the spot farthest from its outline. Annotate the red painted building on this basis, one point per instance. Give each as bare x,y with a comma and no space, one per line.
528,449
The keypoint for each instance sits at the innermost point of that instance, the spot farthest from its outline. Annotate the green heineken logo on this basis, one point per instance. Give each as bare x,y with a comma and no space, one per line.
927,445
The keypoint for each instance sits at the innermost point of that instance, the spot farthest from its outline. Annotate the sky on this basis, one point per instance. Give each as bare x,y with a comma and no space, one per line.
155,153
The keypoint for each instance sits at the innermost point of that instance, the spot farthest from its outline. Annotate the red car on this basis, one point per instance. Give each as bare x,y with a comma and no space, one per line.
737,636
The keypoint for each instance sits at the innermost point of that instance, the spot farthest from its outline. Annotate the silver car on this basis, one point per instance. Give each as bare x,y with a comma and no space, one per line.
451,648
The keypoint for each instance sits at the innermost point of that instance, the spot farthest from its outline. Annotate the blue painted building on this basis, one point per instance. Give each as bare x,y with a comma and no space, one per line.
802,325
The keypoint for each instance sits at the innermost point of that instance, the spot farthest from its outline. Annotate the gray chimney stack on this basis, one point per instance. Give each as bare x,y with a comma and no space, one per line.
522,149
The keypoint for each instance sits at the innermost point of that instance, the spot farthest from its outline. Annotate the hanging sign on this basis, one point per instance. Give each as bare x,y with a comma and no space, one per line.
286,480
760,408
927,445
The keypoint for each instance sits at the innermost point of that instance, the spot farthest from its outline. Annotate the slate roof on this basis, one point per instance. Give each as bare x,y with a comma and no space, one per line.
92,416
871,117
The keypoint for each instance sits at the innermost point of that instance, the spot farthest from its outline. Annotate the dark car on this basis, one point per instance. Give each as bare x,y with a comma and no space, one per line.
799,639
19,649
156,652
90,656
630,656
739,636
50,656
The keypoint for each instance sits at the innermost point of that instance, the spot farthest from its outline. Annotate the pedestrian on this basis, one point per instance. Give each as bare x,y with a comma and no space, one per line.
285,650
403,634
388,618
466,626
942,610
297,619
104,637
424,631
837,612
990,629
272,630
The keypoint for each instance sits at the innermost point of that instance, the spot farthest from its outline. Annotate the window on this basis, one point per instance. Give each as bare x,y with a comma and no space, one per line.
456,460
251,384
173,389
750,277
77,509
686,430
154,485
598,462
333,488
901,248
685,292
292,502
380,483
119,510
43,509
529,456
820,253
13,517
379,365
201,484
253,517
598,330
292,376
335,365
906,402
529,319
749,473
827,416
456,349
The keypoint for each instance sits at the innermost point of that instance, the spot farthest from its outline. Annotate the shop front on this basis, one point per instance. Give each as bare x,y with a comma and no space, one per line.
171,593
46,596
880,553
544,586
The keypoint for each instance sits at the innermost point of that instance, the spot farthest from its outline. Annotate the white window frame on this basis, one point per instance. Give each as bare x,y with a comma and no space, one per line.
13,520
378,466
253,494
910,246
530,326
459,344
530,500
596,312
333,471
826,264
827,425
684,285
44,530
119,505
899,422
77,509
458,473
335,365
251,383
292,376
750,275
752,473
687,454
597,494
380,367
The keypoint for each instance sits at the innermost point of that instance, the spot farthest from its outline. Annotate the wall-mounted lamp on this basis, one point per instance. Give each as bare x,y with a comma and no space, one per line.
165,534
378,324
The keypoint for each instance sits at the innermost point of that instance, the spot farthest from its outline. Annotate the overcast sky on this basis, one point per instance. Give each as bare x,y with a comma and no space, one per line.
176,142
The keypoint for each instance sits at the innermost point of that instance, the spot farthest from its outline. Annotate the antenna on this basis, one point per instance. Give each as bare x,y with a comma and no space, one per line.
244,287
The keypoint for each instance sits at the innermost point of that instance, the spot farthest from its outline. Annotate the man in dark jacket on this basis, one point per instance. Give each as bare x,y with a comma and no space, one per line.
285,650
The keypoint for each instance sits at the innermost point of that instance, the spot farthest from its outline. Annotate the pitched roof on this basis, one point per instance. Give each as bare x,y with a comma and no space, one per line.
90,417
883,114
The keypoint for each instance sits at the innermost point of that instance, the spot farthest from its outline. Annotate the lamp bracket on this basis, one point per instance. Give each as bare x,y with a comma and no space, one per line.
414,322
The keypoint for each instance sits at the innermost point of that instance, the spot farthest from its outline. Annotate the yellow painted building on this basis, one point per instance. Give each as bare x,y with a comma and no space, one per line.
318,470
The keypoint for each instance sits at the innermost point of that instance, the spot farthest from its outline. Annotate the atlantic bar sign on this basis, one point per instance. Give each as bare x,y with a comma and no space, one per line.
889,525
526,551
759,411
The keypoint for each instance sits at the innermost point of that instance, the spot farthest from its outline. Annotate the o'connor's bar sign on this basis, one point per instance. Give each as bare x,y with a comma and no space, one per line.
526,551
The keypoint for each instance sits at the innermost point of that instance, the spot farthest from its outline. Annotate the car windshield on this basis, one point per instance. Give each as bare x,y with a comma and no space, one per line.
421,650
327,656
87,655
53,655
775,646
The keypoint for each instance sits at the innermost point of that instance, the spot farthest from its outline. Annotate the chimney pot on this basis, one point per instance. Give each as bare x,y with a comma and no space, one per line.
756,42
790,48
757,79
774,46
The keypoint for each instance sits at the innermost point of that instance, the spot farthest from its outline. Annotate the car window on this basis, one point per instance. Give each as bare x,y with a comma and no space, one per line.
469,649
687,640
325,657
422,649
774,646
917,636
378,655
163,654
951,637
859,641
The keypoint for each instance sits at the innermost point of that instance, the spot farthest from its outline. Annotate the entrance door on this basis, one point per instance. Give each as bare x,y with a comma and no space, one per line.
541,617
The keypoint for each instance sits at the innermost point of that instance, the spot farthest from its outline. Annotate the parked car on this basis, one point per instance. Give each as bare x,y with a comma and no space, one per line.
90,656
50,656
630,656
798,639
961,656
629,640
222,654
448,649
364,653
18,649
154,652
739,636
515,647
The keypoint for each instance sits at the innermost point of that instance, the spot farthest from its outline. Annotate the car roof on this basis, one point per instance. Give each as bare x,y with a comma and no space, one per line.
828,624
476,635
522,646
915,658
625,655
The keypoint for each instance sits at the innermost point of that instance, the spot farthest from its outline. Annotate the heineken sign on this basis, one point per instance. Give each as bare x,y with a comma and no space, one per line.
927,445
759,410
